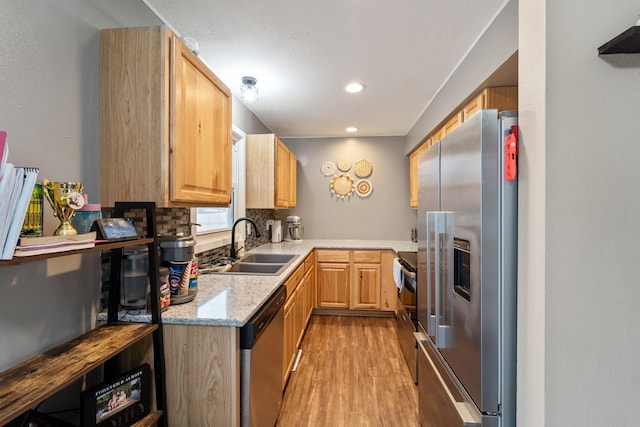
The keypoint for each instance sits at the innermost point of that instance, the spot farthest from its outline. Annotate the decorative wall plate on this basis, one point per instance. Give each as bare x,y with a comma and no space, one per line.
363,188
328,169
344,164
362,168
342,185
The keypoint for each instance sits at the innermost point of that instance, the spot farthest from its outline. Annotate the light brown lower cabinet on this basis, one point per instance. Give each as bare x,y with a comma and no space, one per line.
334,282
355,280
300,286
202,375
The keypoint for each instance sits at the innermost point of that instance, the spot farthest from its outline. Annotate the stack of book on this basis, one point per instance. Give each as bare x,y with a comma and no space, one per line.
49,244
16,186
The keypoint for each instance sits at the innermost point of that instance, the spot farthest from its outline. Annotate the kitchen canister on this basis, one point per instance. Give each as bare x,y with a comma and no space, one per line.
135,277
164,293
176,248
183,280
86,216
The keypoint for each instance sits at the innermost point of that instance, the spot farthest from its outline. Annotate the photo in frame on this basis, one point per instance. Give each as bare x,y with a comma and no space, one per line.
114,229
120,402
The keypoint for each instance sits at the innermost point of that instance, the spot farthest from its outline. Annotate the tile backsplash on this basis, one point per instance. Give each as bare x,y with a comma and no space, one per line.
170,221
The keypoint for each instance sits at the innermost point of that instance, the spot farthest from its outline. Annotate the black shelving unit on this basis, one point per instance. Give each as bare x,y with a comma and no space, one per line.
31,382
625,42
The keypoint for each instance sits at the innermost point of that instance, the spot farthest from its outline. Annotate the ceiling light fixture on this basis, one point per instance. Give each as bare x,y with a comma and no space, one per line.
351,129
354,87
248,90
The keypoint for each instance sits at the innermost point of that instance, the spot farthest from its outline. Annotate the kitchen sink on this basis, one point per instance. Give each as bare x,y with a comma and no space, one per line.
268,258
256,268
259,264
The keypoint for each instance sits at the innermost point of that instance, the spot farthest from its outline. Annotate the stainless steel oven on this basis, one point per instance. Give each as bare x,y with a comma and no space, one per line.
406,315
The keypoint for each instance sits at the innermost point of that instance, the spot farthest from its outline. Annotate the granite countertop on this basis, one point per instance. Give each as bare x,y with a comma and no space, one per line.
231,299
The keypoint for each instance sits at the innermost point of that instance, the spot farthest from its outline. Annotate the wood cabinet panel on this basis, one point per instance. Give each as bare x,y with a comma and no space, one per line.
452,124
499,98
328,255
297,311
161,140
474,106
293,173
271,173
282,185
333,282
289,347
366,286
310,290
300,313
413,172
355,280
293,280
201,362
310,261
367,256
201,143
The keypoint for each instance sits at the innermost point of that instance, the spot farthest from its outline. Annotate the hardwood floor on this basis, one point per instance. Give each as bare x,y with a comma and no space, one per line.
351,373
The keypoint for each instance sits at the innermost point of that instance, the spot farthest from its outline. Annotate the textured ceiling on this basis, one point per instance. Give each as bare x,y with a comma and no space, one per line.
304,52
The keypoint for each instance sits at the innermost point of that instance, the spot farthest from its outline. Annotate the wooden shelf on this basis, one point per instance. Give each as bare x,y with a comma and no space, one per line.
150,420
98,247
625,42
38,378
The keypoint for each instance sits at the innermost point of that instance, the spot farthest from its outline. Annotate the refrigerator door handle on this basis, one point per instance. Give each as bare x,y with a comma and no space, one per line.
432,274
443,225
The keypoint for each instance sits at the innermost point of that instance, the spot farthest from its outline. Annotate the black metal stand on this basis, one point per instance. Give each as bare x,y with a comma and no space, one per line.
154,280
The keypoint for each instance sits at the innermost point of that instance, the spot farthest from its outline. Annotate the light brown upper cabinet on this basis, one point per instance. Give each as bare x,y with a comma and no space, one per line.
499,98
165,122
451,124
271,173
413,171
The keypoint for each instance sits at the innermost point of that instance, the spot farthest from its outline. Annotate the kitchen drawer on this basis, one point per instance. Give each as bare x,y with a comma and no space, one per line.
332,256
293,280
367,256
309,261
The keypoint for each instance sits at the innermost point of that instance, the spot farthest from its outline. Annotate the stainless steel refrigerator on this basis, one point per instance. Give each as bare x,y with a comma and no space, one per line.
467,236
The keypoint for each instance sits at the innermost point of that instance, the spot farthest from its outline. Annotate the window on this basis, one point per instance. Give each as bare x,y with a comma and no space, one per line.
215,219
215,223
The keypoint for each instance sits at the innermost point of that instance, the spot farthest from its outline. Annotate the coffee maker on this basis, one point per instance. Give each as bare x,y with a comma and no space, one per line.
294,229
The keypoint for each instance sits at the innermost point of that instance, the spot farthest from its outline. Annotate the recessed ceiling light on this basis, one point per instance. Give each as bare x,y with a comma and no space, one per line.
351,129
354,87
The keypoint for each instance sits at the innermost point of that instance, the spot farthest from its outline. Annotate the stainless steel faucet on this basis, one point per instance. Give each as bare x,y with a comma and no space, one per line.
232,251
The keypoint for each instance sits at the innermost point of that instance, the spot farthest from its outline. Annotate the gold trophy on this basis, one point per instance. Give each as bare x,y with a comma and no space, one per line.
65,198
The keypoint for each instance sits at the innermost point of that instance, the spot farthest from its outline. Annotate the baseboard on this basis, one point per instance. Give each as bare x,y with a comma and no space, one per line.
355,313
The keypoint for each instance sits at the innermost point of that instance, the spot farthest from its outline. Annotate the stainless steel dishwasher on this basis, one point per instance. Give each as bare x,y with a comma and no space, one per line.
261,363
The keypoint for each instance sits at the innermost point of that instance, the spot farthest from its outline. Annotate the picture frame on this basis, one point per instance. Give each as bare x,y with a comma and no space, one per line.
114,229
120,402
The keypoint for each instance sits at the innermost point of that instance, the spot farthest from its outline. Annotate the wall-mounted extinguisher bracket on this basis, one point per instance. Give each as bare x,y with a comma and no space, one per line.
511,154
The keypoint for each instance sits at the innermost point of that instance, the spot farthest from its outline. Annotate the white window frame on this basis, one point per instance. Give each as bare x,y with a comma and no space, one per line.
209,241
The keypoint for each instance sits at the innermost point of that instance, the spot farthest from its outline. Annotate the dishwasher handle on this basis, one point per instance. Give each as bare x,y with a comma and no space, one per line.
250,332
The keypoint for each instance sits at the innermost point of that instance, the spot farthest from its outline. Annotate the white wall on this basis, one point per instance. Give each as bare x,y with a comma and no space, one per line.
579,335
384,215
491,51
49,91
